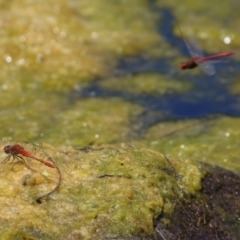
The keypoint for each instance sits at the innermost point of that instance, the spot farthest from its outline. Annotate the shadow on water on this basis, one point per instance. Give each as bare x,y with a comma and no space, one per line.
208,97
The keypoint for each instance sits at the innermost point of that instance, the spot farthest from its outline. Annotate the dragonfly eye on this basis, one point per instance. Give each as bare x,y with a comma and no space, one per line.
7,149
183,65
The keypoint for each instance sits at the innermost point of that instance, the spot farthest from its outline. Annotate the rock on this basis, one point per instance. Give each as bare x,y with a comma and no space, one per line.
109,192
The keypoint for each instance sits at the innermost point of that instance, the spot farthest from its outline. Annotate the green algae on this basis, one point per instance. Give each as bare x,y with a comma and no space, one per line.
234,87
47,52
93,121
84,123
148,83
18,235
112,191
28,118
73,42
213,140
211,22
126,35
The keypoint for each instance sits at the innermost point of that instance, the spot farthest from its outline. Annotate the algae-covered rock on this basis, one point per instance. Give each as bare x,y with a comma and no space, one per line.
105,193
212,214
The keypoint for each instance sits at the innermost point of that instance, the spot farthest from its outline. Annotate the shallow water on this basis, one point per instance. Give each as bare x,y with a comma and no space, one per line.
85,73
79,74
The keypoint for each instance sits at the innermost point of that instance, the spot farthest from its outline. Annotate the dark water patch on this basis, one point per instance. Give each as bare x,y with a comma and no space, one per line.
192,104
209,96
140,64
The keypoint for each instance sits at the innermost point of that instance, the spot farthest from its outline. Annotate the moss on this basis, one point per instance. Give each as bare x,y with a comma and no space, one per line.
110,191
235,86
47,52
19,236
57,48
92,121
212,140
149,83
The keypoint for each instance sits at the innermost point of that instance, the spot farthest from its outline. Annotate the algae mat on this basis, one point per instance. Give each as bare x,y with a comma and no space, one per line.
48,52
105,192
49,49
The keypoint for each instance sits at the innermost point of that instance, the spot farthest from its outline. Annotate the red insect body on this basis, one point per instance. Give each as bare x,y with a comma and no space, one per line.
203,61
219,55
16,149
197,58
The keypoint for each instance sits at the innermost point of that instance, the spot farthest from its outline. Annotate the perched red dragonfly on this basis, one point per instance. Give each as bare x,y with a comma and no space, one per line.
197,58
14,151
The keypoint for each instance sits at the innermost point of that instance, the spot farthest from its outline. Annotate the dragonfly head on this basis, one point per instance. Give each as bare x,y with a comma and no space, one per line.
7,149
183,65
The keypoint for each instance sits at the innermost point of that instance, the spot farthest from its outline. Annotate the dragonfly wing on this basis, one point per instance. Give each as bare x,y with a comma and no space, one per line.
196,52
207,67
193,47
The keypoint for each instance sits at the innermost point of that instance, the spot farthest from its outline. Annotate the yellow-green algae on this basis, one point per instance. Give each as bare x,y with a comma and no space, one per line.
93,121
48,51
235,86
210,21
139,185
214,141
70,42
146,83
28,118
82,123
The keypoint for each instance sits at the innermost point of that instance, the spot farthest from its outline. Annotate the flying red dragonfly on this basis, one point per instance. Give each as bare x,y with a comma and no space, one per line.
197,58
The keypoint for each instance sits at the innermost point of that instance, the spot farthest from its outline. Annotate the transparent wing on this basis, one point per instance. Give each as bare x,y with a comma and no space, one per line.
196,52
207,67
193,47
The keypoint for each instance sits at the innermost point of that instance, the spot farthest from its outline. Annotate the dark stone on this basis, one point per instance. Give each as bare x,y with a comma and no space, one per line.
214,214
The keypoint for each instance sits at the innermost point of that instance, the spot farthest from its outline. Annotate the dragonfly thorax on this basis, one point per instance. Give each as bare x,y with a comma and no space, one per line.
188,65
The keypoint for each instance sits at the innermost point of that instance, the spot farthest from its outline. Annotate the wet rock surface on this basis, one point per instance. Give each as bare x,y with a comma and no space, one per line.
105,192
214,213
117,192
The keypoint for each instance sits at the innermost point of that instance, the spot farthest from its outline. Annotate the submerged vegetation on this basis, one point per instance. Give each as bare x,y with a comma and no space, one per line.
98,73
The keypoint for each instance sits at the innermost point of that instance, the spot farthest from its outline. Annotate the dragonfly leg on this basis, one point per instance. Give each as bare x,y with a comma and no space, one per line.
6,159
